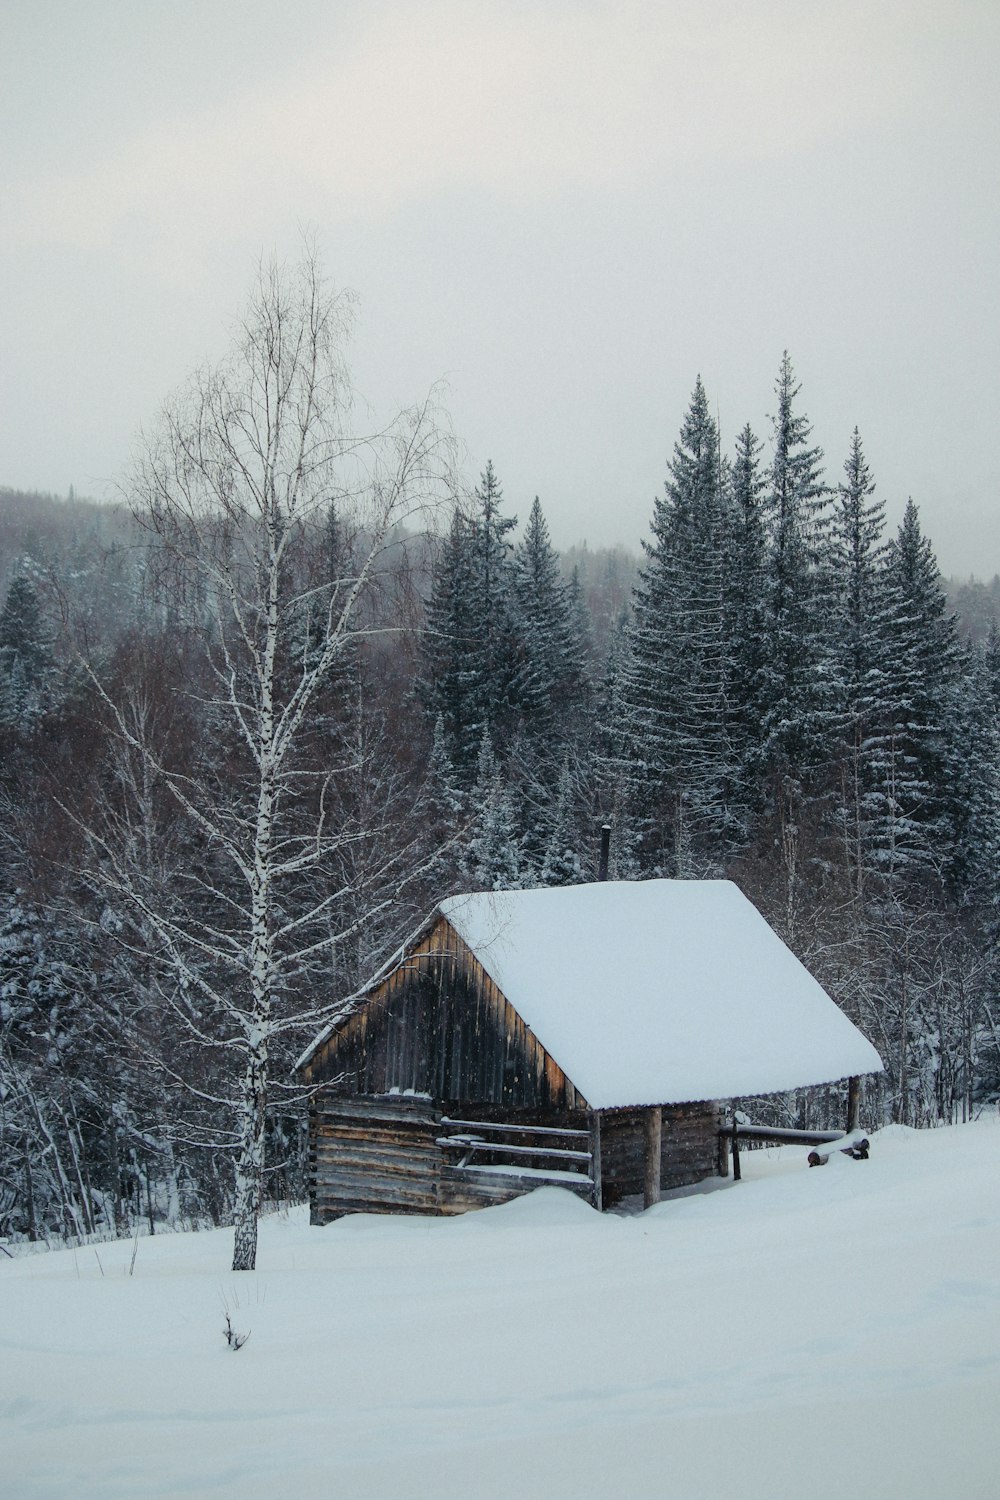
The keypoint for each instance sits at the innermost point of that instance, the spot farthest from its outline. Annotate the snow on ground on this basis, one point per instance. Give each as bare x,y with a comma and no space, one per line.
802,1333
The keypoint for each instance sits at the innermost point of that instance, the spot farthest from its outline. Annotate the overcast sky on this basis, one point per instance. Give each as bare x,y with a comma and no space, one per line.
566,211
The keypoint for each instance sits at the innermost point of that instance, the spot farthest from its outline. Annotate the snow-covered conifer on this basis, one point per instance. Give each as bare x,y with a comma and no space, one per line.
673,684
555,681
561,862
26,666
746,619
799,711
493,858
860,667
974,790
475,667
923,665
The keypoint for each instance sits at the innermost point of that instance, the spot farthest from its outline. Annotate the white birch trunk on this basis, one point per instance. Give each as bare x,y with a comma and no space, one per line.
237,486
250,1162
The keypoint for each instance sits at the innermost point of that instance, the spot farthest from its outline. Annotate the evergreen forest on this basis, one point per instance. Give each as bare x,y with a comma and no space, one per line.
245,748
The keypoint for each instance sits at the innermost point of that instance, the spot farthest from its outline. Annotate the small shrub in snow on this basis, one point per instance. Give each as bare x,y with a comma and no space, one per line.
233,1339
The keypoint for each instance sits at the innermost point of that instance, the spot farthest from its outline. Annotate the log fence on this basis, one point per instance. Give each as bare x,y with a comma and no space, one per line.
562,1155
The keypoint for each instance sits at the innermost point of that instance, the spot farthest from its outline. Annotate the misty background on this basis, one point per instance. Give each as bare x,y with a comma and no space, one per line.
565,212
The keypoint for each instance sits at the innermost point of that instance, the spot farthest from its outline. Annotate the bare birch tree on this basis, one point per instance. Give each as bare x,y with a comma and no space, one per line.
237,484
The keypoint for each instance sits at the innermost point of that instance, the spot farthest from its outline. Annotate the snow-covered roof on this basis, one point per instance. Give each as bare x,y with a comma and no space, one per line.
660,991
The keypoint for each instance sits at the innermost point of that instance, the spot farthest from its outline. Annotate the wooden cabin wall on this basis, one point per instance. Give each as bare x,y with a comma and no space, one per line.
689,1148
371,1155
465,1189
623,1154
384,1155
439,1025
438,1029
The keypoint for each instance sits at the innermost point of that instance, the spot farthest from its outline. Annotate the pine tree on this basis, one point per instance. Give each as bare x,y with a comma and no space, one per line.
857,554
443,814
613,756
923,658
991,661
974,790
798,713
445,794
561,863
674,684
860,645
475,667
25,659
746,620
555,688
493,859
581,633
50,1075
503,666
451,688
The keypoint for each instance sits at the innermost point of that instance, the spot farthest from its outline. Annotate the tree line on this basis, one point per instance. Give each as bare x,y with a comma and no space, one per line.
319,685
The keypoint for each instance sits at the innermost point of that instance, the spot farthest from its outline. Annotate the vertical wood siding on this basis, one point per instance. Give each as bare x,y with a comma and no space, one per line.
438,1025
689,1150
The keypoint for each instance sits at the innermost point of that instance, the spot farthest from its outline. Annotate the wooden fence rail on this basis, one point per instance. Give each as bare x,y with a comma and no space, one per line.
731,1133
481,1146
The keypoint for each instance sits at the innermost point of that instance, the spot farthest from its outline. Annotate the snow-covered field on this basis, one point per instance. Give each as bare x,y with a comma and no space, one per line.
801,1334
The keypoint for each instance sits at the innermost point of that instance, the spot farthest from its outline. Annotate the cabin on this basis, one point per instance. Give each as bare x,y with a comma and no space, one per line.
578,1035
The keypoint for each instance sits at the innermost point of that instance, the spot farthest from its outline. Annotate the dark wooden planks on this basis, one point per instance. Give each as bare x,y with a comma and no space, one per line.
437,1027
393,1153
438,1024
465,1188
623,1154
689,1144
689,1149
654,1149
373,1155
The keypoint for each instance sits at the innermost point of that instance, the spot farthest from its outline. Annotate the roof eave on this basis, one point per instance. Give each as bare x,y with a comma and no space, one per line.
350,1005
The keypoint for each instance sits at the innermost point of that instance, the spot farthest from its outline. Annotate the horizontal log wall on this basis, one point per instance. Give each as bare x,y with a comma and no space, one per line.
464,1188
369,1155
381,1154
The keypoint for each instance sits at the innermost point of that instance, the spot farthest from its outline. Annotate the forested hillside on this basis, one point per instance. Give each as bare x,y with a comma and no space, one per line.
255,725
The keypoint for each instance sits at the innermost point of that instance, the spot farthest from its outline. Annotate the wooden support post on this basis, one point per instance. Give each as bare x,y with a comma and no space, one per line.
722,1152
654,1140
736,1154
602,868
595,1164
853,1104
